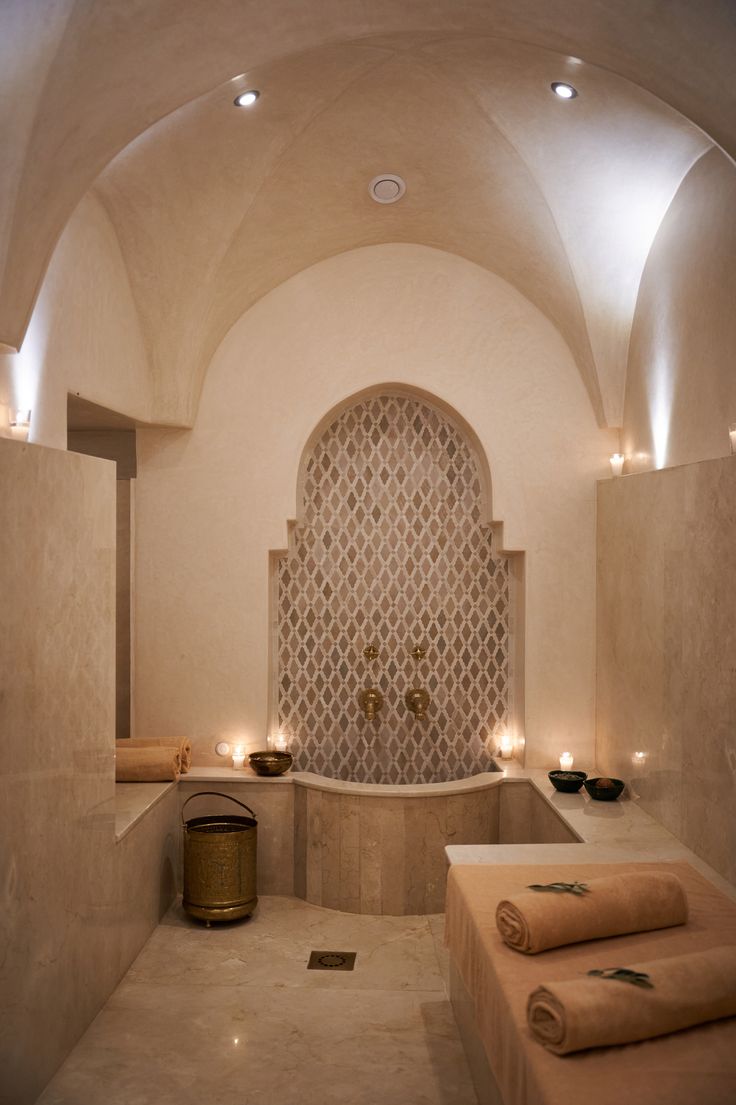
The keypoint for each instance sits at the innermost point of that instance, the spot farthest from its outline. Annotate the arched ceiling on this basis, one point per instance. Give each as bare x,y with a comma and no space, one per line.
213,205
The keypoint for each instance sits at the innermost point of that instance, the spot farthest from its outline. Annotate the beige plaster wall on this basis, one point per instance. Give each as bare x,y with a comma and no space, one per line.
76,906
212,502
681,386
84,335
666,647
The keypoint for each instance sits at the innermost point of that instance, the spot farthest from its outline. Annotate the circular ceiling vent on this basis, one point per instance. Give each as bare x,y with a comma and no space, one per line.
386,188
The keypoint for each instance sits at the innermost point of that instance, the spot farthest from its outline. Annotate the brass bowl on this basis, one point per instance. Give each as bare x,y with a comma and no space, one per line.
271,762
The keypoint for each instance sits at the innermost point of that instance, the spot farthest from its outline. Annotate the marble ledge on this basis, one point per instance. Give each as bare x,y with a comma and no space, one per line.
226,774
609,832
133,801
320,782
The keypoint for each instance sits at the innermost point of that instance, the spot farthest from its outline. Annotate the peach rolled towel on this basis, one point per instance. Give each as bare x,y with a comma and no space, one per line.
183,744
147,765
535,920
596,1012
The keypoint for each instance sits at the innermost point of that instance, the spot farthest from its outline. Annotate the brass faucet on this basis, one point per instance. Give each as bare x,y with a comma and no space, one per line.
371,701
417,700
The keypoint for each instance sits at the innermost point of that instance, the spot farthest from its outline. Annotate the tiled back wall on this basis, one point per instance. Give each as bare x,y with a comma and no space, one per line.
392,552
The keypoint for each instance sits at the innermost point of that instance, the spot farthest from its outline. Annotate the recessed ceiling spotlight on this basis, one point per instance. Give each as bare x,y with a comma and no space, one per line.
386,188
564,91
246,99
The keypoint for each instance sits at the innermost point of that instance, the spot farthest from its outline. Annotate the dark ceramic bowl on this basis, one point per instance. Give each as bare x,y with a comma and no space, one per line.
271,762
604,793
568,781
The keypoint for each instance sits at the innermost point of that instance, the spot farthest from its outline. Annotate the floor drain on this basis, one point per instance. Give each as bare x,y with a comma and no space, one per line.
331,961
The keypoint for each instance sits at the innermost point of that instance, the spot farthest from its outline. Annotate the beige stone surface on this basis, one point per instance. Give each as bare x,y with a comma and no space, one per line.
76,906
666,643
216,1014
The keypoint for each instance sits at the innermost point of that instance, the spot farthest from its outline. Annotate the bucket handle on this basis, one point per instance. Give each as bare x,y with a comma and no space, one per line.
214,794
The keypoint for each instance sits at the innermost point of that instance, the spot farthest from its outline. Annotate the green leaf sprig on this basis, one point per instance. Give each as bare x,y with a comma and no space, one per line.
623,974
561,887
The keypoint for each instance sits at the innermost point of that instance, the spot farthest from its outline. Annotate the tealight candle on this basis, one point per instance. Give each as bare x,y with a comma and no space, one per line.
617,464
566,761
278,743
507,747
238,757
732,435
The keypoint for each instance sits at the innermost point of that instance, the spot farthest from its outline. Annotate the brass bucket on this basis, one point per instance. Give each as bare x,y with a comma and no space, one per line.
219,863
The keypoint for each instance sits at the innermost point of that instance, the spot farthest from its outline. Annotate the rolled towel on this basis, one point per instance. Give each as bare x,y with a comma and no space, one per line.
596,1012
183,743
147,765
611,906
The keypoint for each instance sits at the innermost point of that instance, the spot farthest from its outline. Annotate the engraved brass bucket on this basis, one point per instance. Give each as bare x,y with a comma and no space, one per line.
219,863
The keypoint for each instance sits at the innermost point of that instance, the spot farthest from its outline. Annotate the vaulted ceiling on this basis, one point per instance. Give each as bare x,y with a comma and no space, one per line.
213,205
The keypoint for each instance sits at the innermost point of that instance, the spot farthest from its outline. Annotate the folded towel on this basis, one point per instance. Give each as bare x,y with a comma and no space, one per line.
597,1012
146,765
182,743
533,921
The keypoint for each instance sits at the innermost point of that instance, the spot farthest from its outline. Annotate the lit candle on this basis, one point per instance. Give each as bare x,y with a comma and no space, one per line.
507,747
617,464
238,757
639,759
732,435
278,743
566,761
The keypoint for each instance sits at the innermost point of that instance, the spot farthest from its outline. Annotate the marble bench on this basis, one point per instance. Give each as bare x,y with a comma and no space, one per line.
490,984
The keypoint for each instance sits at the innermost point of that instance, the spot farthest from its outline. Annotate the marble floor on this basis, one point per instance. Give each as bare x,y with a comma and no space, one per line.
231,1016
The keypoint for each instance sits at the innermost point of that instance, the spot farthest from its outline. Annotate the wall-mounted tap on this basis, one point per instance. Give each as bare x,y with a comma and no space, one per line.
370,701
417,700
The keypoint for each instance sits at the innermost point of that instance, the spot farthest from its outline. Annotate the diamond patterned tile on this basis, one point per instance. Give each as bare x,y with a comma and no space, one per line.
391,551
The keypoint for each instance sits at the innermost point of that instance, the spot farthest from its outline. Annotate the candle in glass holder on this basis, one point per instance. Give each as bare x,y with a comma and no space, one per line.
617,464
732,436
506,747
566,761
238,757
278,743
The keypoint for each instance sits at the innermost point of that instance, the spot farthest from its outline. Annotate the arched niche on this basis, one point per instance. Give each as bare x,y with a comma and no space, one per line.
393,546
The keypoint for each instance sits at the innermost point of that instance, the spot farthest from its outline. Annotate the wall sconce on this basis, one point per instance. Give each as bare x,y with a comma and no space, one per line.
617,464
506,747
732,435
566,761
20,420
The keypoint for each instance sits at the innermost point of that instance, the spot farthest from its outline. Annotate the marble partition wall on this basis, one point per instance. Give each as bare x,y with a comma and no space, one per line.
666,682
525,818
76,905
